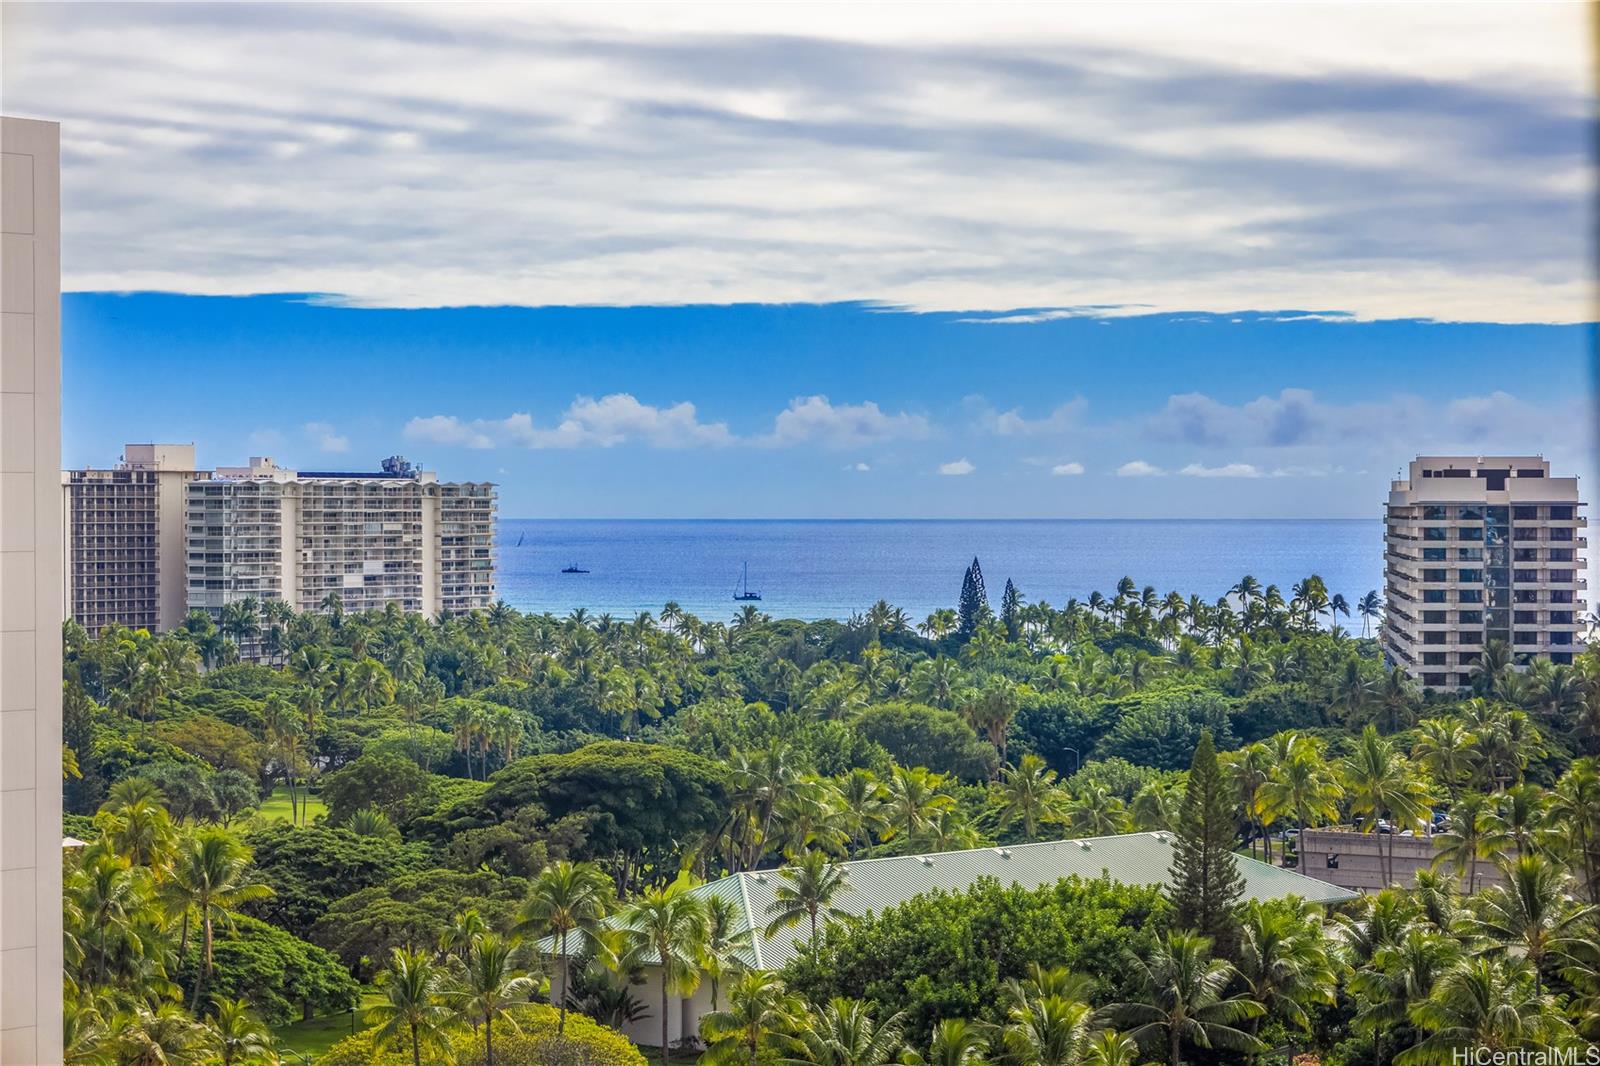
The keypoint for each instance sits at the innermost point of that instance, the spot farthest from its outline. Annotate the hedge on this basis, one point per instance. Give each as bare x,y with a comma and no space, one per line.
586,1043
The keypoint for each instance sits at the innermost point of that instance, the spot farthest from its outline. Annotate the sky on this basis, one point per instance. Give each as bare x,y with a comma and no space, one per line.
828,260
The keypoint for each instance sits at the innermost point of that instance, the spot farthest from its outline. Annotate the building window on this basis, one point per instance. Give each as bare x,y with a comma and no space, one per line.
1434,618
1470,575
1435,513
1434,533
1434,680
1469,533
1525,555
1471,636
1561,618
1471,514
1525,618
1434,637
1525,576
1468,555
1560,595
1527,596
1563,577
1467,658
1525,533
1434,596
1464,596
1470,618
1562,512
1561,555
1434,658
1563,637
1563,658
1435,555
1561,533
1525,514
1436,575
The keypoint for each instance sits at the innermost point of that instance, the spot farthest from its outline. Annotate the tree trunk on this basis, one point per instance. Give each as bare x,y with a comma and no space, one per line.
1172,1046
561,1026
665,1000
416,1047
488,1039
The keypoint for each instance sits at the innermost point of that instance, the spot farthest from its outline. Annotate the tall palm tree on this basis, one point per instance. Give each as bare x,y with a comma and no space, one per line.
1029,794
487,984
240,1037
1382,783
1111,1048
668,926
1182,1000
1398,977
1445,747
1302,786
914,800
843,1033
1369,606
565,898
1484,1003
809,888
1471,835
210,877
1575,815
725,939
165,1036
1094,811
1047,1031
415,1003
1285,959
1531,913
760,1015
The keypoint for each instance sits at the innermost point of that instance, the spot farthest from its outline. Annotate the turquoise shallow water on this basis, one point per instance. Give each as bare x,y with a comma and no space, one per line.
827,569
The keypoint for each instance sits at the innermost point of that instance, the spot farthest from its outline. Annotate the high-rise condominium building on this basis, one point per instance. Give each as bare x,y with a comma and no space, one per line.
1480,549
397,535
125,533
30,592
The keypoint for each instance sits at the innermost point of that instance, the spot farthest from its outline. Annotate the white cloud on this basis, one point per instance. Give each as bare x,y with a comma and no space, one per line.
619,419
1229,470
326,438
1064,417
1067,469
1139,468
447,430
810,419
859,468
957,468
1306,156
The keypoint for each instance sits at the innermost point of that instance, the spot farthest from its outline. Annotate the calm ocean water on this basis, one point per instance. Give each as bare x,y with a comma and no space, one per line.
828,569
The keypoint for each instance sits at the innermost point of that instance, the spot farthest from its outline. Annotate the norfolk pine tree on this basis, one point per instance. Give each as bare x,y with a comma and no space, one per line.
1206,886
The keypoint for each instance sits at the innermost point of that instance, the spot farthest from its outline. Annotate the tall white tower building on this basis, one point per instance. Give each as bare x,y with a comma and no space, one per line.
30,592
1481,549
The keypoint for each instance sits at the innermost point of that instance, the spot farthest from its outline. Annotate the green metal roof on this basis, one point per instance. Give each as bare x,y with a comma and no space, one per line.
877,884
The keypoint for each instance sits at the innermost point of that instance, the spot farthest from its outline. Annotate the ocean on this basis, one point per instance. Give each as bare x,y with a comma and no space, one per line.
814,569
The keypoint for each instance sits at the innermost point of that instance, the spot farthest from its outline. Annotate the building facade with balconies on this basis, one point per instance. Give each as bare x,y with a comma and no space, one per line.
124,546
361,539
1480,549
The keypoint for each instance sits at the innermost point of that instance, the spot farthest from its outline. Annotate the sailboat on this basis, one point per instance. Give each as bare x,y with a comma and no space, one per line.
743,592
519,539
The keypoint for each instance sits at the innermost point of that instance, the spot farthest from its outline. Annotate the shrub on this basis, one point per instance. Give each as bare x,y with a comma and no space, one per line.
586,1043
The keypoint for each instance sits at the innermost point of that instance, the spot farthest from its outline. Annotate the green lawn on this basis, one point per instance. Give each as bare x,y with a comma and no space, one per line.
304,1041
276,808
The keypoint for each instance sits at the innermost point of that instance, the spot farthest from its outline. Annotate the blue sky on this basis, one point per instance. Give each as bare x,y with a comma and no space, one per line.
787,259
828,410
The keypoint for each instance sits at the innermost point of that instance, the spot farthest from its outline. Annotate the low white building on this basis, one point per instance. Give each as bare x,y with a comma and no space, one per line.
878,884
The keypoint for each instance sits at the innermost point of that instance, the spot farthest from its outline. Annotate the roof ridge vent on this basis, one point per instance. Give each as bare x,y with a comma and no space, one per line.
1004,853
1085,845
924,860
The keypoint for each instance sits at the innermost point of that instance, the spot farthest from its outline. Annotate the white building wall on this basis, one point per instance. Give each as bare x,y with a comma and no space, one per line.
31,603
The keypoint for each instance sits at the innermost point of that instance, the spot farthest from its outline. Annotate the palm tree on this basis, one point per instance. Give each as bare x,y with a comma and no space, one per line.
1531,913
241,1038
1484,1003
165,1036
1575,814
1182,1000
954,1042
209,877
415,1003
1380,781
1445,747
759,1017
1369,606
1397,977
1302,786
914,801
565,898
808,892
1285,960
487,984
1029,794
1047,1030
724,941
1471,835
1093,811
843,1033
668,926
1111,1048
